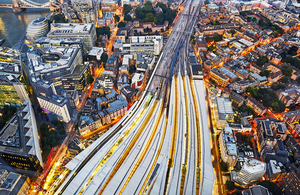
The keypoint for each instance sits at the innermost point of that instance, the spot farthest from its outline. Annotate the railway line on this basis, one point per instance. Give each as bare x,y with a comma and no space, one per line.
155,148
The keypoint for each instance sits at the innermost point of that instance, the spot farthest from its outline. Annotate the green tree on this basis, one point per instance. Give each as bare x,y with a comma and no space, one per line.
126,9
89,79
248,19
293,51
229,185
272,187
262,60
127,18
287,71
254,19
206,2
236,119
104,58
147,30
150,17
232,31
117,18
243,14
223,166
284,79
264,73
298,80
192,39
103,31
121,24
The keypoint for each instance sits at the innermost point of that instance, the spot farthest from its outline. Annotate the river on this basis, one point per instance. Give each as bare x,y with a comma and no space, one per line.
13,26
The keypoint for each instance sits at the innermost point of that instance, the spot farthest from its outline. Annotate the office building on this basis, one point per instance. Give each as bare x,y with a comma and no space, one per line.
251,172
150,44
57,105
137,80
12,91
291,184
37,28
228,147
275,170
60,66
20,146
75,30
66,42
13,183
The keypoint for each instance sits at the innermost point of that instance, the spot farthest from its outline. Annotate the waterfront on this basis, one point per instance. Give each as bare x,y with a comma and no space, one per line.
13,26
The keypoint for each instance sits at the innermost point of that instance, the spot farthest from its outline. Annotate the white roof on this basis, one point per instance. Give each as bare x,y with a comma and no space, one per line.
254,166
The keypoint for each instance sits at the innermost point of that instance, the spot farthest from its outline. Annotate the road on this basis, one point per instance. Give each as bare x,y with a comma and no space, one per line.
138,155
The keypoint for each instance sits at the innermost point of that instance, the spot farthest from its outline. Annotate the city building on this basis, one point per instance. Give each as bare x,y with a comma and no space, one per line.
290,185
66,42
75,30
12,91
137,80
289,96
57,65
57,105
256,190
13,183
268,132
150,44
236,99
275,170
228,147
218,77
256,105
37,28
222,111
291,116
75,147
251,172
95,54
20,146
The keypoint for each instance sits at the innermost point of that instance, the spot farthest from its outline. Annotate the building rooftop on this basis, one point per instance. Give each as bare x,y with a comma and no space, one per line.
253,166
70,28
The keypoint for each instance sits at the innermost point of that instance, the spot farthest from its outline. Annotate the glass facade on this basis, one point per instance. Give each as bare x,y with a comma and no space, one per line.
9,95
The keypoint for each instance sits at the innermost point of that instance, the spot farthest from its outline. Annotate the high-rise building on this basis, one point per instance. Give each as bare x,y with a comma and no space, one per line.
12,90
20,146
228,147
291,184
13,183
57,105
251,172
75,30
37,28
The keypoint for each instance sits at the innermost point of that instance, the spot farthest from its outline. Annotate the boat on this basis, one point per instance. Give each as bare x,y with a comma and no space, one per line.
1,41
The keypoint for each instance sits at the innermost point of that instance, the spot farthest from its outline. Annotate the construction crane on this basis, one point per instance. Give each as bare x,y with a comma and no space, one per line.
34,180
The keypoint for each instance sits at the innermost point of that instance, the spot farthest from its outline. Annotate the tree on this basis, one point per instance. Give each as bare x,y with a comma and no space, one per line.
232,31
262,60
150,18
229,185
243,14
147,30
89,79
223,166
206,2
104,58
103,31
287,71
254,19
126,9
264,73
298,80
293,51
248,19
192,39
272,187
236,119
117,18
127,18
121,24
284,79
